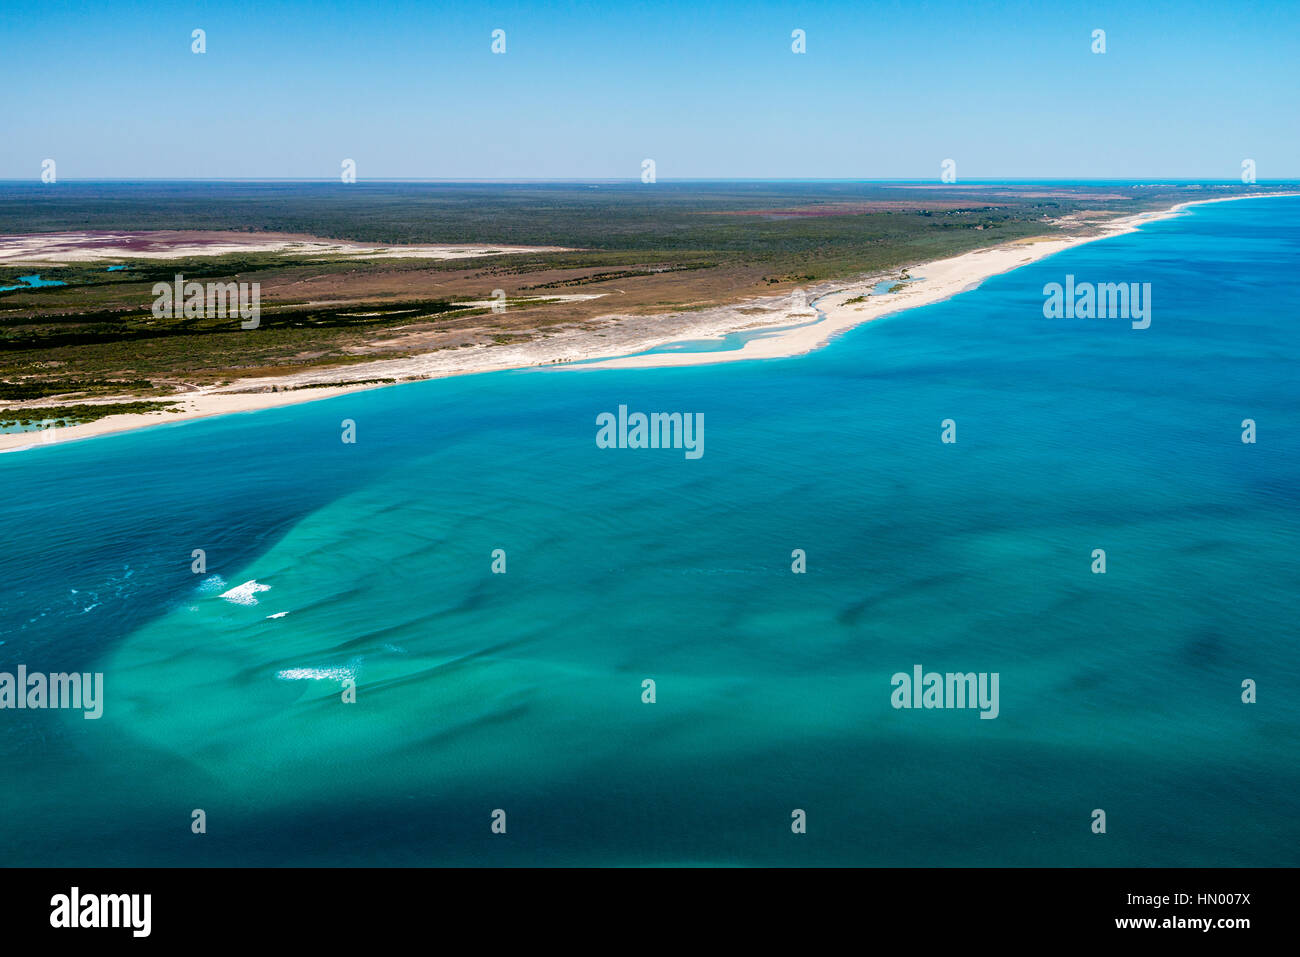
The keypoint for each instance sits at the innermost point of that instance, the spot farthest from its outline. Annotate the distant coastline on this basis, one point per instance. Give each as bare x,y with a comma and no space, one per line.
851,305
789,329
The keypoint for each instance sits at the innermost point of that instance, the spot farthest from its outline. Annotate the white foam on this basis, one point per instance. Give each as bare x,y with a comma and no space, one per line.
212,585
316,674
243,594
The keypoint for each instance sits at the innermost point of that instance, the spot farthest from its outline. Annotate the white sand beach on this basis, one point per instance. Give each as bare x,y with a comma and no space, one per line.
613,343
936,281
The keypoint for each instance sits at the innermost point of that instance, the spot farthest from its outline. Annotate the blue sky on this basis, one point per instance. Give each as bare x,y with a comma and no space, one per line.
588,90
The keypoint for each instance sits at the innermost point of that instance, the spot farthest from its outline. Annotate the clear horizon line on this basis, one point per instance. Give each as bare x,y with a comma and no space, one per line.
928,181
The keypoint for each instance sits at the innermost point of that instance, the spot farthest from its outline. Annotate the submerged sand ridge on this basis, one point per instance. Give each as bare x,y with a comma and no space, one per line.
59,249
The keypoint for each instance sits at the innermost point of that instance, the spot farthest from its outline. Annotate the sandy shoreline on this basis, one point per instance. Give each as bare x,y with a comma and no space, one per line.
936,281
939,280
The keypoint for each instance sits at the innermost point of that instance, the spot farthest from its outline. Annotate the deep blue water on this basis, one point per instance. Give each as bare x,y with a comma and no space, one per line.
523,691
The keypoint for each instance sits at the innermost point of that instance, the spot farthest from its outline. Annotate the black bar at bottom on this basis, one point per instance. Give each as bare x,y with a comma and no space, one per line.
335,906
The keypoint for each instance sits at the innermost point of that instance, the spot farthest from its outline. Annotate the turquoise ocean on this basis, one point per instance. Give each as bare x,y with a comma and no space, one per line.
523,691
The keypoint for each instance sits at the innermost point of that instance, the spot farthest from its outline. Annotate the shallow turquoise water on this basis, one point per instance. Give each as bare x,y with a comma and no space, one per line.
522,691
32,282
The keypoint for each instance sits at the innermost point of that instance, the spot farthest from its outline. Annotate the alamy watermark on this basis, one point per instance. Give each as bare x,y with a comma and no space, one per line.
82,691
129,911
1103,300
657,430
951,690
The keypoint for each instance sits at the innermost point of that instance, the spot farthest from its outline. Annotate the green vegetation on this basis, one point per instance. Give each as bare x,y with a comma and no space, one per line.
612,216
93,349
620,274
49,416
44,388
333,385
